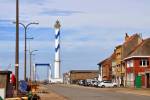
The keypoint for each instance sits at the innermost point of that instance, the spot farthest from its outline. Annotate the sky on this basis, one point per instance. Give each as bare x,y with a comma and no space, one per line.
90,30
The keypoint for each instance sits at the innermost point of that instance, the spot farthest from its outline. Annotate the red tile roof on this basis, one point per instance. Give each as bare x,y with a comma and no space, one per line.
143,49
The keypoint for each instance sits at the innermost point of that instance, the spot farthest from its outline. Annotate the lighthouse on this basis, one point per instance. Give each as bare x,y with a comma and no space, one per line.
57,62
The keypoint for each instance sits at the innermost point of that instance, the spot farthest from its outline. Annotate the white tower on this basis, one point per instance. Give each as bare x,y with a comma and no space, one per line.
57,50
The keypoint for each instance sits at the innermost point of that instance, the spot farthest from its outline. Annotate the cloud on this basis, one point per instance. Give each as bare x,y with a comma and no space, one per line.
59,12
5,20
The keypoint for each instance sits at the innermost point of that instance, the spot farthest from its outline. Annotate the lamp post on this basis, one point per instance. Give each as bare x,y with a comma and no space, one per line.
31,53
17,45
25,46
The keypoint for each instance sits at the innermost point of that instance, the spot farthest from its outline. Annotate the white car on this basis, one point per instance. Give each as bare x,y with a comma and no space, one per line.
104,84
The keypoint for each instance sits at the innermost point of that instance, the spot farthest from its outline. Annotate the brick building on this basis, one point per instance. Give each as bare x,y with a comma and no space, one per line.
137,65
76,75
122,51
105,68
131,42
113,68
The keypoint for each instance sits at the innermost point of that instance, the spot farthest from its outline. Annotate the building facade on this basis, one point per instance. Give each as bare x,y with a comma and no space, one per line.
130,43
138,67
113,68
119,71
105,69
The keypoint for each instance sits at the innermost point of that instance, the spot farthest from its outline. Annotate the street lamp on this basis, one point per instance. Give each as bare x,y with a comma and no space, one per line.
31,53
25,46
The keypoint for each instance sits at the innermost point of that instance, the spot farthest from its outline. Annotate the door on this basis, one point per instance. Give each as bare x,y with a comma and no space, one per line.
138,81
148,80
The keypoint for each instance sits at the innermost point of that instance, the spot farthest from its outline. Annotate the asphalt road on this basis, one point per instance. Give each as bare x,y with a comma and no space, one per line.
82,93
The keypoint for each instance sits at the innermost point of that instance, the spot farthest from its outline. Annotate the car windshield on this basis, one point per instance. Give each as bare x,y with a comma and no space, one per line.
100,81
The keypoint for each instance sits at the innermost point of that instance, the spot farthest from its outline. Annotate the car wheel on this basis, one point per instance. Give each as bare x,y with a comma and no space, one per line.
115,86
103,86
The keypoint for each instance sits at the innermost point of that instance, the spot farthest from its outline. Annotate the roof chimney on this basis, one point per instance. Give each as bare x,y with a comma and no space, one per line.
126,37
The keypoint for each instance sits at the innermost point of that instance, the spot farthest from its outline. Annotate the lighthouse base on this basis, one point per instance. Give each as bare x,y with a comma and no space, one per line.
57,80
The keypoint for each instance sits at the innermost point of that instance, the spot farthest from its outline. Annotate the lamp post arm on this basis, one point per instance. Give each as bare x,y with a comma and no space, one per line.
33,51
22,25
30,24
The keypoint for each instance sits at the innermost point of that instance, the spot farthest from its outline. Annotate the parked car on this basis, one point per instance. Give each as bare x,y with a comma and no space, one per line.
94,83
88,82
85,83
104,84
80,82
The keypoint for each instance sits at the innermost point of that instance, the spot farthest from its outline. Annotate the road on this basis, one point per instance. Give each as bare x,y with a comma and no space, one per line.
83,93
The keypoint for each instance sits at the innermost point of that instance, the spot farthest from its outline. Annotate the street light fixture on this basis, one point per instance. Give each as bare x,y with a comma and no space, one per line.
31,53
25,46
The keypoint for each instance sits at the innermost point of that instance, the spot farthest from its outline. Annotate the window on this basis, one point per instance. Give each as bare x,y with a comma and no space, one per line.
129,63
144,62
130,77
107,81
118,54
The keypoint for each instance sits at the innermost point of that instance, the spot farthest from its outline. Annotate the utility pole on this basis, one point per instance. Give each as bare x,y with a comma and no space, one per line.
17,46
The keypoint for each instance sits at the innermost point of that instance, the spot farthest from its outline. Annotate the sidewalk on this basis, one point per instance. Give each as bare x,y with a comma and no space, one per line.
138,91
48,95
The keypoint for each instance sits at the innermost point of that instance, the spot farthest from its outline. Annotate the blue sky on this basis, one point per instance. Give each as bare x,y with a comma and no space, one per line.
90,29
